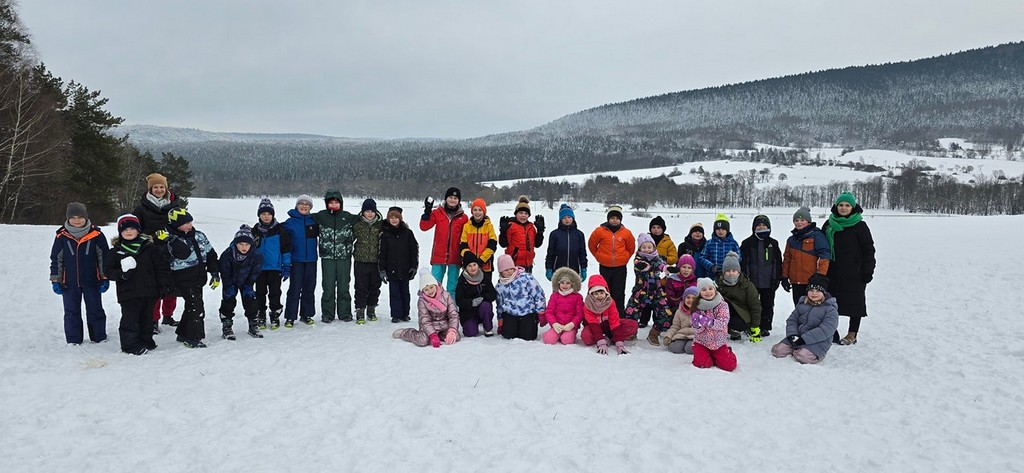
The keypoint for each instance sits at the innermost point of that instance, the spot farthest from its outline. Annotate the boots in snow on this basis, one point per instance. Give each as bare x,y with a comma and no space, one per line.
261,319
654,337
254,329
371,313
275,319
169,320
360,316
227,333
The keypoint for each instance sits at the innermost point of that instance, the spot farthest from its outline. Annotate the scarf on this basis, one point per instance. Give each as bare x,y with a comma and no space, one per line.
657,239
705,304
519,270
370,221
77,232
613,228
730,281
132,246
596,306
239,256
565,293
435,301
838,224
159,202
474,280
265,229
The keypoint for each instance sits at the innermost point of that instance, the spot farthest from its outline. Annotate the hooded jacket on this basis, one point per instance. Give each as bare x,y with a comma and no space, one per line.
447,235
335,240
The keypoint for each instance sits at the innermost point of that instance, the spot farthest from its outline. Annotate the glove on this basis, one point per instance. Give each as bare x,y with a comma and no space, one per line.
557,327
583,274
230,292
450,338
57,288
715,270
104,286
128,264
249,292
538,222
214,280
755,334
602,347
412,274
477,301
504,223
786,285
161,235
383,276
673,269
285,272
549,274
796,341
428,205
569,326
435,341
666,340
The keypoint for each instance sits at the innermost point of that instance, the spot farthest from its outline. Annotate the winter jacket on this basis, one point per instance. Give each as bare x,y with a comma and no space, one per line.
612,248
434,320
715,334
521,296
466,292
367,238
714,253
567,247
275,244
762,261
815,324
480,239
564,309
688,247
302,231
78,262
682,327
521,241
744,301
674,287
807,253
151,274
666,248
612,312
399,253
852,267
447,235
237,270
191,257
153,218
336,240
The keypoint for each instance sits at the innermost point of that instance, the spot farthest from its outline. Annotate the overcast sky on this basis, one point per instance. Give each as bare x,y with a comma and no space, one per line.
459,69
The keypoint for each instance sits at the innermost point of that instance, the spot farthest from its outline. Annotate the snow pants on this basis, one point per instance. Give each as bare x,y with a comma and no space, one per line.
484,315
301,289
268,290
421,338
136,327
439,271
567,337
592,333
523,327
367,285
803,355
164,306
398,292
616,279
95,317
336,296
723,357
192,326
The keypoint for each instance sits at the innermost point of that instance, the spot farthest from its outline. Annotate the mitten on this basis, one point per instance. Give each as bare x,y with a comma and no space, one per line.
602,346
428,205
161,235
755,334
538,222
786,285
477,301
285,272
249,292
412,274
435,341
666,340
621,347
673,269
504,223
549,274
450,337
128,264
796,341
583,274
104,286
57,288
383,276
715,270
230,292
568,326
557,327
214,280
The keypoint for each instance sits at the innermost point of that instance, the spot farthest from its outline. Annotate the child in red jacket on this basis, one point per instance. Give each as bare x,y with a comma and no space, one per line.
601,319
520,237
565,307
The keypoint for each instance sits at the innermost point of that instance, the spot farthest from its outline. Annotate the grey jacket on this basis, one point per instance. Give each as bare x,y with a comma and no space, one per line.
815,324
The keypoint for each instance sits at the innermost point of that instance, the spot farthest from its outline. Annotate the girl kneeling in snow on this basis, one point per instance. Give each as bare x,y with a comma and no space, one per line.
601,319
810,327
679,337
565,307
520,300
438,316
710,320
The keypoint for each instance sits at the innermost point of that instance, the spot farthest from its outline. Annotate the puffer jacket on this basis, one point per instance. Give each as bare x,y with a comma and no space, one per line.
447,236
674,287
568,308
434,320
815,324
399,253
666,248
612,248
567,247
682,326
714,253
302,231
238,270
744,301
715,334
521,296
521,241
336,239
151,274
191,257
275,244
367,238
480,239
78,262
807,252
466,292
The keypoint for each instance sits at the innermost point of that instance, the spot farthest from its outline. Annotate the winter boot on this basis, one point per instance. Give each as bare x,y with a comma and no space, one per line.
360,315
289,323
275,319
156,329
307,320
261,319
169,320
849,339
226,322
371,313
645,318
734,334
254,329
654,337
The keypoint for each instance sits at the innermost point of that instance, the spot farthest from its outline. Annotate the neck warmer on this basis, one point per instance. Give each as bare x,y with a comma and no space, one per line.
265,229
131,246
159,202
596,306
730,281
565,293
77,232
613,228
370,220
519,270
239,256
708,305
762,234
474,280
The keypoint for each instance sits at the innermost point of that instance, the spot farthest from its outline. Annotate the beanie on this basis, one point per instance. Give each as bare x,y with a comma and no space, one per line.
243,235
657,221
615,211
505,262
564,211
453,191
369,204
803,213
76,209
759,220
687,259
469,257
126,221
721,221
705,282
154,179
265,206
395,212
178,216
817,282
304,199
848,198
731,262
523,205
427,279
692,290
478,202
644,238
697,227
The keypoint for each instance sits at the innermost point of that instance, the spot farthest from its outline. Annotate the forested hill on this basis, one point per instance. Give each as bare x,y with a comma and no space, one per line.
977,95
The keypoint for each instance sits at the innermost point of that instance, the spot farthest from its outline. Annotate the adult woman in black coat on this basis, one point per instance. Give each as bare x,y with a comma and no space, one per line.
853,262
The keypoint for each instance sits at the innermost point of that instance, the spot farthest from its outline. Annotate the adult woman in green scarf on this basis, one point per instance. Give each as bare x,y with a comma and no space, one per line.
853,262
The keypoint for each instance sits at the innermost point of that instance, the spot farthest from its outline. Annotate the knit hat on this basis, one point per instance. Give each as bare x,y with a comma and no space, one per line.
644,238
697,227
596,282
721,221
453,191
692,290
304,199
705,282
154,179
817,282
731,262
657,221
566,210
803,213
523,205
848,198
687,259
471,258
178,216
369,204
427,279
615,211
126,221
505,262
478,202
76,209
243,235
759,220
395,212
265,206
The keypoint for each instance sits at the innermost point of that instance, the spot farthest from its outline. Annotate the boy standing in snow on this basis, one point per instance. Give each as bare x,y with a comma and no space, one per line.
397,263
717,247
612,245
762,263
76,273
666,247
140,270
275,244
336,247
478,239
520,237
366,232
240,267
303,231
192,257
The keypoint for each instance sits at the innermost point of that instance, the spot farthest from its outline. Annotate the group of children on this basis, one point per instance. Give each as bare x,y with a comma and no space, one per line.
698,295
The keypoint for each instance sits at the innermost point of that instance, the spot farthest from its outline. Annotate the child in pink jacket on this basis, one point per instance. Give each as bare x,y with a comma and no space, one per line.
710,321
565,307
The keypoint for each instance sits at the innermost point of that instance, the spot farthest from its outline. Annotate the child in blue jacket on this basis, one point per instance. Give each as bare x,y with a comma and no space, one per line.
239,268
275,244
76,273
719,245
521,301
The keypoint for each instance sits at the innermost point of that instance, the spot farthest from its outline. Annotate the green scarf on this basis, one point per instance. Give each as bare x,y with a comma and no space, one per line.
838,224
132,247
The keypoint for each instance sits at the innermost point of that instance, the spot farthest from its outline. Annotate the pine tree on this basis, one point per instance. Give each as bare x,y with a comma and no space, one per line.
93,173
179,176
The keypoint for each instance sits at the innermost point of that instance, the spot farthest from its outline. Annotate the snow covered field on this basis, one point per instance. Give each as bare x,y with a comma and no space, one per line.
935,384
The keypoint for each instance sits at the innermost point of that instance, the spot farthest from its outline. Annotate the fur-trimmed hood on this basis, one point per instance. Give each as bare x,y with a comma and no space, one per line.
566,272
